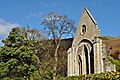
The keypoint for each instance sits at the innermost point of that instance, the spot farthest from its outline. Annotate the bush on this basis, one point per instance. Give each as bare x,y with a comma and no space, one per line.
101,76
116,62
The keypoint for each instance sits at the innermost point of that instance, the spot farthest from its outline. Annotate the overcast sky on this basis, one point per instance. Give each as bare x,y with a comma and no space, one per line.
29,12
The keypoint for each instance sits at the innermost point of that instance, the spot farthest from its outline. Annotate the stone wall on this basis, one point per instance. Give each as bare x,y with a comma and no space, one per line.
88,53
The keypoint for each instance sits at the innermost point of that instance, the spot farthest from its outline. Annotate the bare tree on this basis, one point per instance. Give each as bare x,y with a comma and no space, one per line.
58,26
34,34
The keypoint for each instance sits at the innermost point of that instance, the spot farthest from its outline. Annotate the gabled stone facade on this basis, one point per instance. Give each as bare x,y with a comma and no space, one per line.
88,53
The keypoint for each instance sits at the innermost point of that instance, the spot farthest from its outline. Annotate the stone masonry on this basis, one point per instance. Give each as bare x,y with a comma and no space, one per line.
88,53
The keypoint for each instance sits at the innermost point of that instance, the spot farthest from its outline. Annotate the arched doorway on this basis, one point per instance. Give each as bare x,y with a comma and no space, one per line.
86,59
92,62
80,65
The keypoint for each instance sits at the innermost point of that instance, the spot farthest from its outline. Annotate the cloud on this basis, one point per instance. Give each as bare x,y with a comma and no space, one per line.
44,4
96,2
35,15
5,28
54,4
47,5
1,44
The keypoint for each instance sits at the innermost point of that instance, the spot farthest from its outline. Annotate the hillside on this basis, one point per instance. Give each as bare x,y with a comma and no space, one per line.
112,43
113,47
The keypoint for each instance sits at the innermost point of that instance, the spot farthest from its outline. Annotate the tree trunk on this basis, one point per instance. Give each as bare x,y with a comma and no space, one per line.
56,61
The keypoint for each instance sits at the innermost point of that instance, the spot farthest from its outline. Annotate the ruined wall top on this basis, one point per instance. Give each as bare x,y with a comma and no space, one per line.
87,28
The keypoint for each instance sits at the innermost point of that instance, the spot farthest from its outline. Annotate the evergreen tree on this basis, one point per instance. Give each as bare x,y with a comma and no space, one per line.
17,59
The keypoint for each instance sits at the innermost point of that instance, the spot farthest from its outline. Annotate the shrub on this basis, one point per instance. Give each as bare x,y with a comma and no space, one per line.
101,76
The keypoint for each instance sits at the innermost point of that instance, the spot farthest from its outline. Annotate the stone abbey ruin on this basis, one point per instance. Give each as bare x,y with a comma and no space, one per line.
88,53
